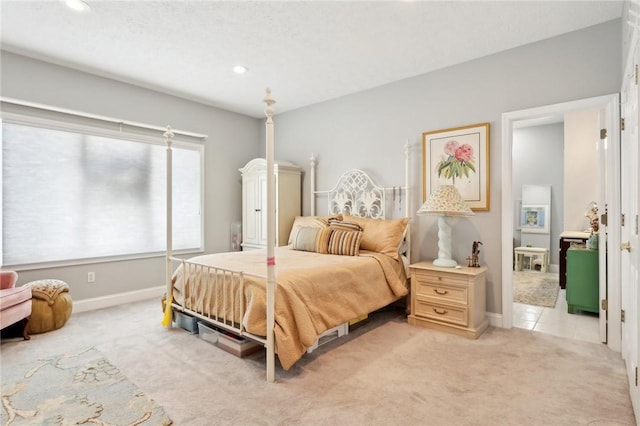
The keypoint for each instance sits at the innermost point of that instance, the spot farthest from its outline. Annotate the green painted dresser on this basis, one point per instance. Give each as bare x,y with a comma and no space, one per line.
582,279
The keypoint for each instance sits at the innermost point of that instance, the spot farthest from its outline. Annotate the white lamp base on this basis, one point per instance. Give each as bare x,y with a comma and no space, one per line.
444,259
445,263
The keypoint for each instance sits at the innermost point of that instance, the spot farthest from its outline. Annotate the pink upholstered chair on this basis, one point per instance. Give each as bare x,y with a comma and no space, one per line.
15,302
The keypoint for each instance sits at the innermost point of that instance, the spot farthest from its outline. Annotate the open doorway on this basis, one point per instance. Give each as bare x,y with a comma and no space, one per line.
608,112
541,221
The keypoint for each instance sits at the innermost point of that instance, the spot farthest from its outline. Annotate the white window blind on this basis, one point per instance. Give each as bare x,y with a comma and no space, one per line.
72,192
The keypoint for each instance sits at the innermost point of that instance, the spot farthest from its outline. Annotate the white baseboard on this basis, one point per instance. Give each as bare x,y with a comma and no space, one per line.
117,299
555,268
495,320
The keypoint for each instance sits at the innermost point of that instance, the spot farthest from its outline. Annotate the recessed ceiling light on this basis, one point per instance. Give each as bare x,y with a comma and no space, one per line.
240,69
77,5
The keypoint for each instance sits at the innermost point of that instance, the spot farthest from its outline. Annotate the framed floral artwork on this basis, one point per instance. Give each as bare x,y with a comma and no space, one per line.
458,157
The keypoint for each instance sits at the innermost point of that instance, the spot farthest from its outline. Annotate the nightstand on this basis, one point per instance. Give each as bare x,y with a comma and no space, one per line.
448,299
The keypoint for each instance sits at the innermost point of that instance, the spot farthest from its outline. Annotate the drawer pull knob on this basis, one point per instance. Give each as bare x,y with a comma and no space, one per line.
440,312
440,292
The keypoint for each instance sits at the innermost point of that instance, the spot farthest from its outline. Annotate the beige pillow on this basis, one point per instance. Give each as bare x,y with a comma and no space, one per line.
381,235
305,238
345,242
311,238
310,221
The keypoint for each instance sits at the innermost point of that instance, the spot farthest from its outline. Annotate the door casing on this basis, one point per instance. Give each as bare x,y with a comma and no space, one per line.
611,104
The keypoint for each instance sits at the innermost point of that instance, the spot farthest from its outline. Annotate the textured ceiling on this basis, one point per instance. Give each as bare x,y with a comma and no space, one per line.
307,52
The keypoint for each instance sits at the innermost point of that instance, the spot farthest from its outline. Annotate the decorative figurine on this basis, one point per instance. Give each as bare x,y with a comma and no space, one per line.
592,214
473,259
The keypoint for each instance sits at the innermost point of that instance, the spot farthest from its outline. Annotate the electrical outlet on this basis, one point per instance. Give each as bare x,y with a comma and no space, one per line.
91,277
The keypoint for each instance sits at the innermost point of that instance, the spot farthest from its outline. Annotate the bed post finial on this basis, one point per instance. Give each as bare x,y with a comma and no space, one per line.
268,99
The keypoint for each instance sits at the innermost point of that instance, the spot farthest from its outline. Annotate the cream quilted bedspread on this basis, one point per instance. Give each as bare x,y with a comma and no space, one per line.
315,292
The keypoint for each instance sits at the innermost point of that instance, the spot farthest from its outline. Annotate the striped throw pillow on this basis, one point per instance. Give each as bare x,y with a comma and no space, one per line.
345,226
322,240
345,242
310,238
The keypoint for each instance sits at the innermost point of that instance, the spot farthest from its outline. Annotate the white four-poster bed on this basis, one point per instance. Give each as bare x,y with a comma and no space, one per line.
321,284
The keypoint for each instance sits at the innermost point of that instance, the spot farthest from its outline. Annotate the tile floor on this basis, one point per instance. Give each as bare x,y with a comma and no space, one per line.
557,321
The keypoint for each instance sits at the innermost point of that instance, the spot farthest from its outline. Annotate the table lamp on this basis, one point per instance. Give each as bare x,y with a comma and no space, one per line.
445,202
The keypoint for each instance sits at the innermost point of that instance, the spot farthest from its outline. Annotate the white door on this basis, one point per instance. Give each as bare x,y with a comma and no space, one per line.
609,265
251,187
602,230
629,199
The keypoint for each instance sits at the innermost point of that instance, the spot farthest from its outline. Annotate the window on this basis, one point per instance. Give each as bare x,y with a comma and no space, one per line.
70,195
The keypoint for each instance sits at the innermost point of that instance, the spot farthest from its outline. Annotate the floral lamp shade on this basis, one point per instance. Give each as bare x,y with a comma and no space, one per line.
445,202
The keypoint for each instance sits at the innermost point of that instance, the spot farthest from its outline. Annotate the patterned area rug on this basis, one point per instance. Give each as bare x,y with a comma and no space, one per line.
535,288
71,389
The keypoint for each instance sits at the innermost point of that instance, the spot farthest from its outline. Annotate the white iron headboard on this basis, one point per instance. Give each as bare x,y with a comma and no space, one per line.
357,194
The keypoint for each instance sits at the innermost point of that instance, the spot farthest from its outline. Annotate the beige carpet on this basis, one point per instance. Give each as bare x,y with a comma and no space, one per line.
535,288
385,373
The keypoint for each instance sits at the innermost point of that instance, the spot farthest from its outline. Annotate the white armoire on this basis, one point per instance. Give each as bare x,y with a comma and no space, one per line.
254,202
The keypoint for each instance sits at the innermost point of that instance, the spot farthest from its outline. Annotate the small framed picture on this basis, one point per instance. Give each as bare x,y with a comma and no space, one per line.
534,219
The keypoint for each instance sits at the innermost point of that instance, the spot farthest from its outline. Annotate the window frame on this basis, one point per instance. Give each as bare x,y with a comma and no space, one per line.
28,114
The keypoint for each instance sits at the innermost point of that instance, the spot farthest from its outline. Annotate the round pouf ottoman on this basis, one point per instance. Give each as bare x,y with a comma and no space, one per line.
51,305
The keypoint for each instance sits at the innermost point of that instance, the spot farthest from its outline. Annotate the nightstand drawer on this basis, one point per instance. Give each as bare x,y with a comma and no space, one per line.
450,314
441,278
441,291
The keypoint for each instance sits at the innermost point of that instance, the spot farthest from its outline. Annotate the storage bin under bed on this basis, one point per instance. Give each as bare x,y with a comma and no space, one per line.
228,342
185,322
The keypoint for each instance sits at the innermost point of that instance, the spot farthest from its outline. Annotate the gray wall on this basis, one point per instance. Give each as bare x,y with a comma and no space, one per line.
368,129
233,140
538,160
365,130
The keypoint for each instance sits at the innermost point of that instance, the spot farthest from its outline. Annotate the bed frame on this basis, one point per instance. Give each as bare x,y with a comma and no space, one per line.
355,193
